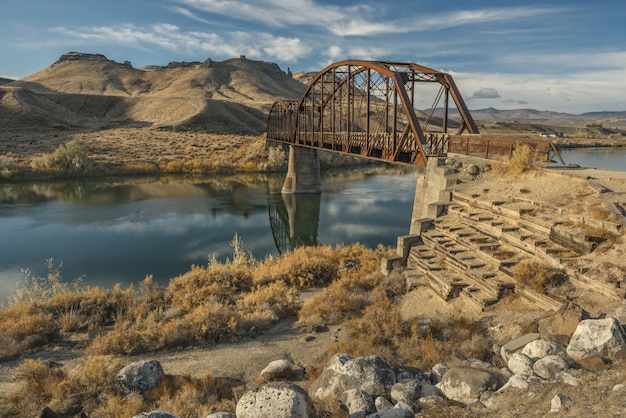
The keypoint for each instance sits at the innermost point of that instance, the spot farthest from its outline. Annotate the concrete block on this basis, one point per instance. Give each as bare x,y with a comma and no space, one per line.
390,263
517,344
405,242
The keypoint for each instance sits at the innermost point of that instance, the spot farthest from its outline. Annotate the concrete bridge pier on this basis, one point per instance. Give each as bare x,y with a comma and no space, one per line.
432,195
303,172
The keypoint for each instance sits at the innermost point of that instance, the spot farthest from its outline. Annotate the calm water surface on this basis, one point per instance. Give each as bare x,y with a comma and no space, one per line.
605,158
119,231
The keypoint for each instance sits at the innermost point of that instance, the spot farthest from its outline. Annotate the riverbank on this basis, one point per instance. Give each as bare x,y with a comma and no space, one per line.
324,324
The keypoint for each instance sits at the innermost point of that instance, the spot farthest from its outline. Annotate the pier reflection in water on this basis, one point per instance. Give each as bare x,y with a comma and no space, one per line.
294,219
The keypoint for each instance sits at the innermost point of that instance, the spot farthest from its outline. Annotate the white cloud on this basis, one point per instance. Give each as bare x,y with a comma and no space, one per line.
567,92
172,38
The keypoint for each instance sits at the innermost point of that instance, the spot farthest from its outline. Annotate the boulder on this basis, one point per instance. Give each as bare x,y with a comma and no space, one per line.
559,326
328,384
541,348
550,366
408,372
155,414
221,415
466,384
276,400
437,372
140,375
406,391
393,413
517,345
277,370
371,374
358,402
520,363
382,404
518,381
602,338
427,390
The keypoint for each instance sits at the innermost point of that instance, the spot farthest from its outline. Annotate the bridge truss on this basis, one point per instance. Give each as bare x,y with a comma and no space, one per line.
366,108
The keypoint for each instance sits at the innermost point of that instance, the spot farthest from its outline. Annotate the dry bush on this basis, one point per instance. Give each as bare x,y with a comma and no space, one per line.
190,397
211,322
341,300
37,384
266,304
521,161
66,392
220,282
303,267
70,158
539,277
21,329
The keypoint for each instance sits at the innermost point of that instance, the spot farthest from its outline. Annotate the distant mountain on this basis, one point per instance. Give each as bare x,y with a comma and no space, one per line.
545,117
5,81
89,91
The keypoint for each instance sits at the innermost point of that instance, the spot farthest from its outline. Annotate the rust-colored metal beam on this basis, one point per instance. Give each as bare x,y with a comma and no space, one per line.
339,108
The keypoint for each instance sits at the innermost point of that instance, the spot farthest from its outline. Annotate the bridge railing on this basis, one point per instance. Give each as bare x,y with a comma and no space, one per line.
487,147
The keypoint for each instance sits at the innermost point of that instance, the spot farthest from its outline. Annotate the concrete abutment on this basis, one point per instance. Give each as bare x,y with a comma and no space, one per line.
303,172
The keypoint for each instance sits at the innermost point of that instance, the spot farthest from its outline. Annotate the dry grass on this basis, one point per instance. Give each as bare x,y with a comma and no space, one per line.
219,302
91,388
538,276
521,161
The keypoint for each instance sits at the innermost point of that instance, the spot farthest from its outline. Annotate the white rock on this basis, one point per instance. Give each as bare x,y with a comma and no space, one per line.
519,381
358,402
437,372
520,363
619,387
141,375
221,415
466,384
568,379
382,404
550,366
407,391
278,370
276,400
556,403
403,405
393,413
541,348
596,337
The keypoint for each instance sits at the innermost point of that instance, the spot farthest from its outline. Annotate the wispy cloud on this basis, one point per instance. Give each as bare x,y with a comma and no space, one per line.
172,38
361,20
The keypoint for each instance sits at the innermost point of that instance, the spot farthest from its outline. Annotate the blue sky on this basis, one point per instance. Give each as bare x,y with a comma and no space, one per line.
567,56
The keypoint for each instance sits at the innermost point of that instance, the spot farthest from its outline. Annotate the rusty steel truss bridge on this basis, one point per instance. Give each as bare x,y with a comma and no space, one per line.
367,109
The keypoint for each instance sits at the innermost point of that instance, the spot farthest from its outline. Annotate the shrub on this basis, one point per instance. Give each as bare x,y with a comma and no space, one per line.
70,158
303,267
7,165
521,161
539,277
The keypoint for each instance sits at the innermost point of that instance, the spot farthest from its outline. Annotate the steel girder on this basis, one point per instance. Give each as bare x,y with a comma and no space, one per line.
366,108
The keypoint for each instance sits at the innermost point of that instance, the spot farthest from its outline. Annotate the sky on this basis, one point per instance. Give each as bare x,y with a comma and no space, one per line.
564,56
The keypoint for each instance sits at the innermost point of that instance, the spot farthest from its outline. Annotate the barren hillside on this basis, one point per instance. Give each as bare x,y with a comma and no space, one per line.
91,92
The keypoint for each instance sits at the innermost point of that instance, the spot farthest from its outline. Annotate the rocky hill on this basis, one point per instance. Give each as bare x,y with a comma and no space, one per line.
89,91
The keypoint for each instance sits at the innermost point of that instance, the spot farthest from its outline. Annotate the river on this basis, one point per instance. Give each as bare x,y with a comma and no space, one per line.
120,230
604,158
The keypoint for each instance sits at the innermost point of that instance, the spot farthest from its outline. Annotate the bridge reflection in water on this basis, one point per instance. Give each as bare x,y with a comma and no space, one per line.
294,220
